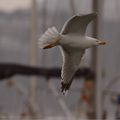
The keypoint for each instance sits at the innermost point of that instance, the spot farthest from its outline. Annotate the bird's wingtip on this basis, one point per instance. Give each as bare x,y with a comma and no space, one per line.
65,87
65,92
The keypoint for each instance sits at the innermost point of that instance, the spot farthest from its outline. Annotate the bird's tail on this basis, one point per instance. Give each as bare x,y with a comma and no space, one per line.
49,39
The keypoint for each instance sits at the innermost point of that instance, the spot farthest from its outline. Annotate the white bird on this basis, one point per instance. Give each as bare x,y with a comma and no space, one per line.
73,42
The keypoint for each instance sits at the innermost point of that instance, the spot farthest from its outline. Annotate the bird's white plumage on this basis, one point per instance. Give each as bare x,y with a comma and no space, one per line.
71,61
48,37
73,51
73,43
77,24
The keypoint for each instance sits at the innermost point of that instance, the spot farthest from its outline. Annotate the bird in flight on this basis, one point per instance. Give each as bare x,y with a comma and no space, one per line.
72,42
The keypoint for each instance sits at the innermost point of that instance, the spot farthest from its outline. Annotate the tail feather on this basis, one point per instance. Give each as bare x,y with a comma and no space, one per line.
49,38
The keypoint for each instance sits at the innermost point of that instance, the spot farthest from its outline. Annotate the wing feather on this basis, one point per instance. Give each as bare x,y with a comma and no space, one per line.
71,61
78,24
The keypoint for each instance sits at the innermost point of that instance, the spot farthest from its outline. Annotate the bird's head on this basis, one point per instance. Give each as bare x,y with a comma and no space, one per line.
99,42
90,42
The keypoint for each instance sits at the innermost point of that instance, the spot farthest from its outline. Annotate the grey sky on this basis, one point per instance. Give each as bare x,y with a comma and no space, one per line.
110,8
11,5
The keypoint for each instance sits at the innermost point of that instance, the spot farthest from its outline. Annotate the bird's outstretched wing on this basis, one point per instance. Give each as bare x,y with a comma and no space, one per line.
78,24
71,61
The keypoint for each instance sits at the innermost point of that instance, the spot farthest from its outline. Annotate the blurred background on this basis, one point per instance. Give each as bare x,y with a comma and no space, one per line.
21,24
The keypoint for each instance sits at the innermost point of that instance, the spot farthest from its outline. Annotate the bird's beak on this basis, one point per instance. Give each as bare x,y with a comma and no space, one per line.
56,41
101,42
